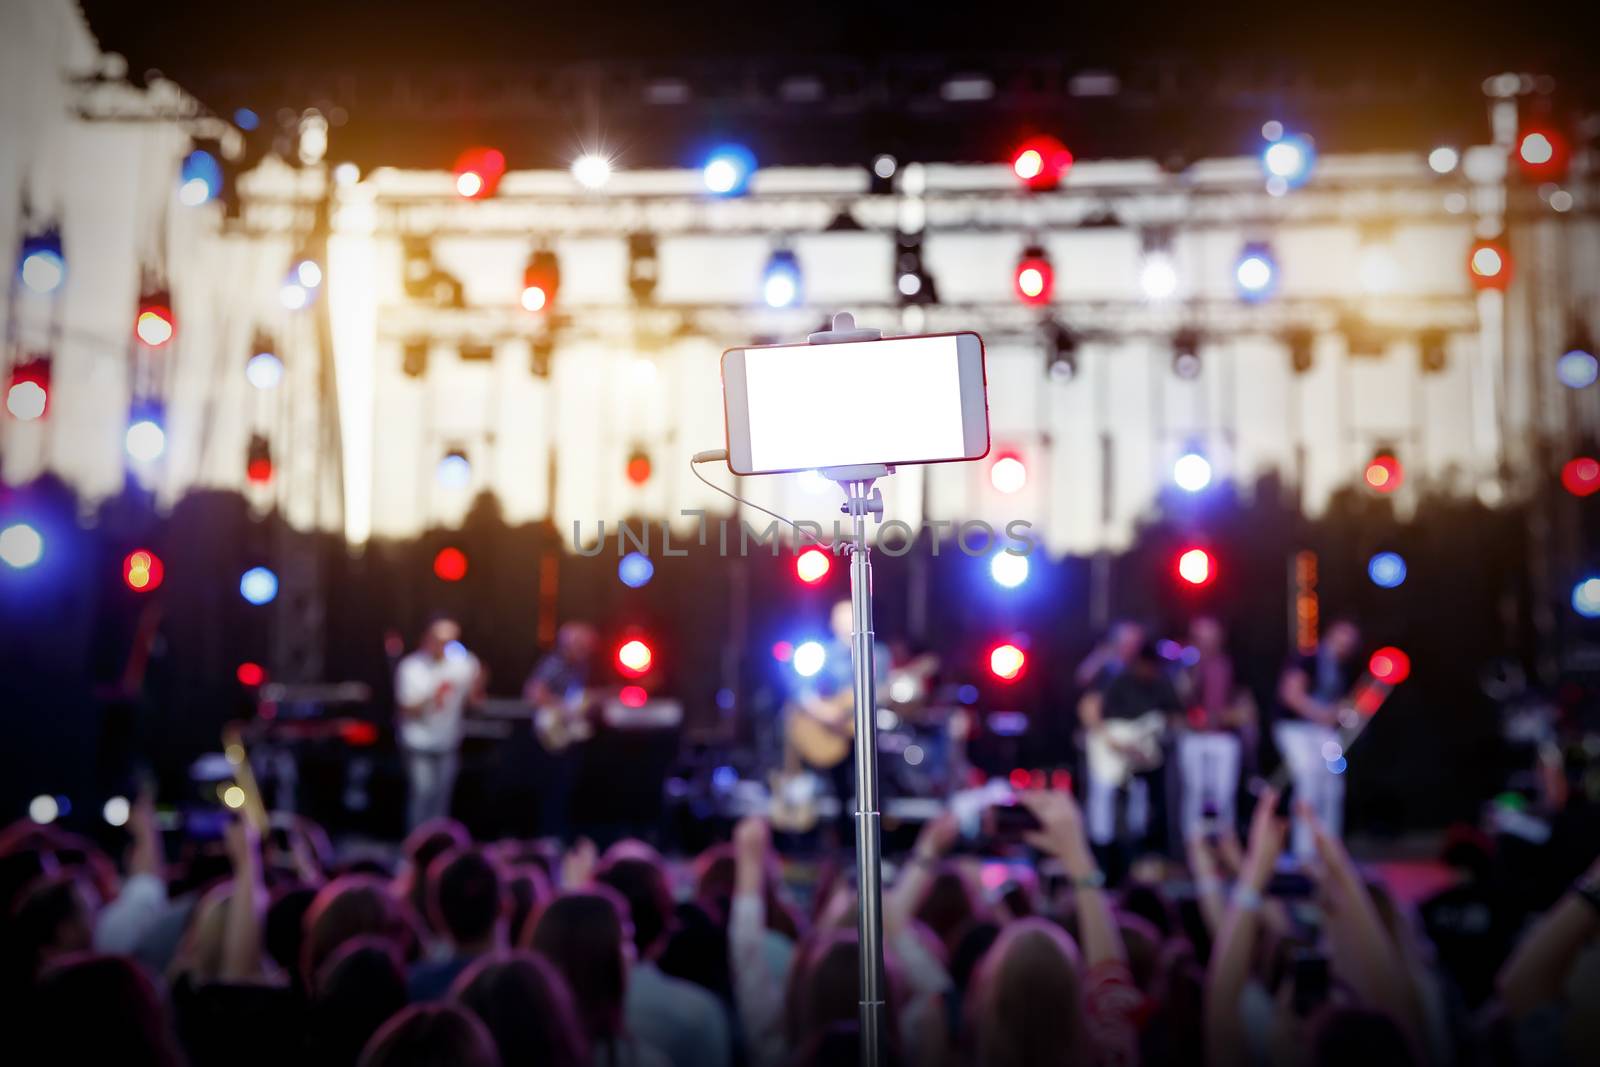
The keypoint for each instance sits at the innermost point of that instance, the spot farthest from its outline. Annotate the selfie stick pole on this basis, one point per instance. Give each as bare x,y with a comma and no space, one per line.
861,500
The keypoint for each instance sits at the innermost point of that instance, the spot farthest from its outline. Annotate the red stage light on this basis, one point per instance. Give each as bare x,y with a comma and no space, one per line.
1036,279
1542,154
812,565
1020,778
1390,665
633,696
142,570
1196,566
28,396
1384,474
450,565
634,657
478,172
1489,265
1006,662
1061,780
639,468
1008,473
250,674
1581,476
259,470
1041,162
782,651
155,324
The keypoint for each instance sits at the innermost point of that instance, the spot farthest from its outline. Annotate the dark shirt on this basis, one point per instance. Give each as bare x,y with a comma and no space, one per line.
1327,680
432,979
559,675
1128,695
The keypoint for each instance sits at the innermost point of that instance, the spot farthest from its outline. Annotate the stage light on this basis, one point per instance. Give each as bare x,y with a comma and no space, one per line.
478,172
264,370
1577,368
1289,159
634,657
884,166
541,280
116,810
780,281
258,467
145,440
591,170
233,796
155,325
812,565
308,272
1008,569
450,564
1255,271
808,658
250,674
1060,352
912,281
639,466
1158,276
1384,473
1387,570
1581,476
727,170
293,296
1586,598
1191,472
28,397
1186,363
1489,265
44,809
454,470
246,119
1035,278
1444,159
142,570
635,570
43,267
633,696
1041,162
1008,474
20,546
258,585
1541,152
199,178
1389,665
782,651
1006,662
1196,567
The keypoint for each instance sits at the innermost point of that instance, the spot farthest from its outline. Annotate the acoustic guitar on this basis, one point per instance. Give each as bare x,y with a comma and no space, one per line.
819,730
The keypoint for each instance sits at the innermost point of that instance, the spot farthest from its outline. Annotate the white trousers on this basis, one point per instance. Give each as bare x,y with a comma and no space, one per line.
1102,813
1301,745
1209,764
430,780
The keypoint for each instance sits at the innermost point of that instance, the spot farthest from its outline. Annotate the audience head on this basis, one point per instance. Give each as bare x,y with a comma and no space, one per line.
285,932
431,1035
823,984
101,1010
359,987
1344,1035
643,884
348,907
528,890
949,905
465,898
52,917
421,847
585,936
1025,1000
528,1008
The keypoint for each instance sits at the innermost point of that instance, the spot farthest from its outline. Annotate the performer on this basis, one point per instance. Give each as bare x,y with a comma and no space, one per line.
557,691
1125,723
1218,719
432,687
1311,691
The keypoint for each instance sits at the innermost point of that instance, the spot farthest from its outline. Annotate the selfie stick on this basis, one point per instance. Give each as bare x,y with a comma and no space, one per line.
861,499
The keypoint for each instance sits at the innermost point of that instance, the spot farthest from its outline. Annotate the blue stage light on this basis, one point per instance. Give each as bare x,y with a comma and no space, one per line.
1586,598
43,267
21,546
246,119
635,570
727,169
199,178
1387,569
258,585
454,471
145,440
780,282
1191,472
809,656
1008,569
1256,271
1577,369
1289,159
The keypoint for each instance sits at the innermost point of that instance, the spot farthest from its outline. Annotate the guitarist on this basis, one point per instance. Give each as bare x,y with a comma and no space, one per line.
557,692
1118,801
1311,692
827,698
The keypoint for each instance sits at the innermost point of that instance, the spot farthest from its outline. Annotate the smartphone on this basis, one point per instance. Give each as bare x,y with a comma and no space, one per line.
895,401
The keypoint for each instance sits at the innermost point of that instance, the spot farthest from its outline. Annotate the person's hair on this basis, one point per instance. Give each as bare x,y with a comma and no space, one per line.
528,1008
284,931
199,954
527,891
49,916
697,951
582,934
714,876
347,907
1142,941
99,1009
431,1035
1341,1035
822,984
1150,904
421,847
949,905
19,869
1025,1000
361,985
465,898
643,884
1179,1001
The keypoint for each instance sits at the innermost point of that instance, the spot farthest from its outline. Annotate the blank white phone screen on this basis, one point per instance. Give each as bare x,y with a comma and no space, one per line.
897,400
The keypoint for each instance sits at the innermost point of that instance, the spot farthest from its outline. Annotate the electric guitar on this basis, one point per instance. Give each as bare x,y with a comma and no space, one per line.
1120,748
557,724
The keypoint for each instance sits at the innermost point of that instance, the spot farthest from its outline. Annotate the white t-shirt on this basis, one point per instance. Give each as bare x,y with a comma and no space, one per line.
441,687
